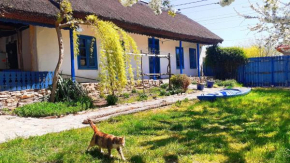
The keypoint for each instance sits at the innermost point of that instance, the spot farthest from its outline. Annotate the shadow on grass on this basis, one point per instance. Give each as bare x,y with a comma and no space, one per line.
252,119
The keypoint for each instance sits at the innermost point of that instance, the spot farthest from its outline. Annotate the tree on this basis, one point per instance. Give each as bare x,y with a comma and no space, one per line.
115,67
225,61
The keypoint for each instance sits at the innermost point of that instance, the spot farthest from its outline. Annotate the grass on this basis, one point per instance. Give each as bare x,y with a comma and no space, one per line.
44,109
252,128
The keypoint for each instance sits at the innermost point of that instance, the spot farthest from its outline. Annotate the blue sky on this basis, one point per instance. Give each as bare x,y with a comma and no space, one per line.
223,21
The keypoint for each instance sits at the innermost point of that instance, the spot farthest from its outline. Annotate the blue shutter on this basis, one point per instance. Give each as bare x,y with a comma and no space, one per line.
192,58
178,59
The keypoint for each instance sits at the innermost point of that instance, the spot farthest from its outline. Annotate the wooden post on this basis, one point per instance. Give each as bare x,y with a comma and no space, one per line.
169,70
20,55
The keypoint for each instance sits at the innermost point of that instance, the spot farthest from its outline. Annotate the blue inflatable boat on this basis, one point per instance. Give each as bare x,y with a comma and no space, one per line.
224,94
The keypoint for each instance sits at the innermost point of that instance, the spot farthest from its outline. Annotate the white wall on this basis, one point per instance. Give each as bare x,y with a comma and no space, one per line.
47,53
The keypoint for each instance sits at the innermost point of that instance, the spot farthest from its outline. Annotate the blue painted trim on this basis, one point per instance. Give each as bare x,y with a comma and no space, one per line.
154,59
72,55
88,53
180,57
26,23
198,54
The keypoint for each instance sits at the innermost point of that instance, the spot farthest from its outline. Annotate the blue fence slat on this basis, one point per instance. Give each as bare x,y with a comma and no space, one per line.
16,80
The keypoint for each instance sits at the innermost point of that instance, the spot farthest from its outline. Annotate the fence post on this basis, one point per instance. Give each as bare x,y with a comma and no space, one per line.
273,69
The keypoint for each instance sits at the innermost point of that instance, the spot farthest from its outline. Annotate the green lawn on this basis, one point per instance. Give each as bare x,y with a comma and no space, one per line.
253,128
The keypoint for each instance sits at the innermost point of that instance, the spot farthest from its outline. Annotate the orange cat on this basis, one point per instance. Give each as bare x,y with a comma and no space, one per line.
106,141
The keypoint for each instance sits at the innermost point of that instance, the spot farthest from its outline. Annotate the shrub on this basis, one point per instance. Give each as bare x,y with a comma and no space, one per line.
44,109
180,82
164,86
142,97
134,91
227,83
162,93
71,91
112,99
225,61
126,95
176,91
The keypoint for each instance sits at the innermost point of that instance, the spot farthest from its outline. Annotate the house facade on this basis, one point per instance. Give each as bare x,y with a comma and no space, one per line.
28,40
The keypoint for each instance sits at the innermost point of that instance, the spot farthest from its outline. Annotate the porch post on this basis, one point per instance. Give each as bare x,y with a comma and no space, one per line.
180,57
72,55
198,54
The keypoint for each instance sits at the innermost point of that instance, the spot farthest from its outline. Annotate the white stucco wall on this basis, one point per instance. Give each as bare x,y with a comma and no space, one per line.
47,53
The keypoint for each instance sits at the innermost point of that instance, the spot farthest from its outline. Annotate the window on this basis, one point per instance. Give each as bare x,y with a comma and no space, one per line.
154,48
178,59
87,58
192,58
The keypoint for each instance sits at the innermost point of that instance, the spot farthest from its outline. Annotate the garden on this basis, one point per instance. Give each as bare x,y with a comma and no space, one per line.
251,128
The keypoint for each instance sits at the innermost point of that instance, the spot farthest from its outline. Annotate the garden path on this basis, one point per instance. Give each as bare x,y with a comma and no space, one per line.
12,127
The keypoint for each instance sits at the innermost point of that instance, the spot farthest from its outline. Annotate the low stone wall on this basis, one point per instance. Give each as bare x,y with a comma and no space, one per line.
12,100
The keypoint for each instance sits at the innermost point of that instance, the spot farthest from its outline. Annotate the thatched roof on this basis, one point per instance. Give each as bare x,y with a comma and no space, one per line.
137,19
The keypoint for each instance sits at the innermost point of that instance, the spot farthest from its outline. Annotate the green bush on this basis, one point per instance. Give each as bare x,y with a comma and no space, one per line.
44,109
162,93
142,97
126,95
180,82
225,61
134,91
112,99
176,91
71,91
164,86
227,83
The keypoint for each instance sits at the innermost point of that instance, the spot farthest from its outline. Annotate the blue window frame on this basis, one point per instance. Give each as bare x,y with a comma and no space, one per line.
154,62
87,58
178,59
192,58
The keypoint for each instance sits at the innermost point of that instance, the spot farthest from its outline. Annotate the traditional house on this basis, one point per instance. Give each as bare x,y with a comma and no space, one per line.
29,47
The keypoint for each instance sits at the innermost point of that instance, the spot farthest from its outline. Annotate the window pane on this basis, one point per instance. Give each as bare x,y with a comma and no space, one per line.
83,52
82,43
92,61
83,62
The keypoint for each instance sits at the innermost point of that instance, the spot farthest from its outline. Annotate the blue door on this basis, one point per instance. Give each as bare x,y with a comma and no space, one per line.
154,62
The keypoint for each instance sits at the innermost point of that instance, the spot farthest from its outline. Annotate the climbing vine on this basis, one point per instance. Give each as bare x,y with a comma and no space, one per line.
116,49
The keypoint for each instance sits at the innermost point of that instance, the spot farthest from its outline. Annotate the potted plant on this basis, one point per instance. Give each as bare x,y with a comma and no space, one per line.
200,85
210,83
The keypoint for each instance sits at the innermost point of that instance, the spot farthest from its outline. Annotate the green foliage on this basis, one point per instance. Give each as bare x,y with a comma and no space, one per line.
164,86
178,103
180,82
134,90
112,99
44,109
176,91
142,97
227,83
252,128
72,92
225,61
162,92
126,95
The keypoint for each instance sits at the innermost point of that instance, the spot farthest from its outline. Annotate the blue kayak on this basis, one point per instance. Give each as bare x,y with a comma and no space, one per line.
224,94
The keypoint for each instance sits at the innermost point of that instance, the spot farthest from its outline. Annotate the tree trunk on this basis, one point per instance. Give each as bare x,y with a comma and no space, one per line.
59,63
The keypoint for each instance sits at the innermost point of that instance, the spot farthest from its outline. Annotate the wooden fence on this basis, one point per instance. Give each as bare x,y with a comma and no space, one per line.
265,71
17,81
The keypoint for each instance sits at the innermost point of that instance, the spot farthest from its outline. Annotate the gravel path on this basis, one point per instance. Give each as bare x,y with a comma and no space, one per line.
12,127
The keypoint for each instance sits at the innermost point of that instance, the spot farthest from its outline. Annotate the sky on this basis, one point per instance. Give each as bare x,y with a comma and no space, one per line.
223,21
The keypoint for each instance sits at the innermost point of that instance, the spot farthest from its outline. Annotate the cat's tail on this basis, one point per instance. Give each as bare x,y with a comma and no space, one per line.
94,127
